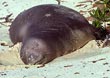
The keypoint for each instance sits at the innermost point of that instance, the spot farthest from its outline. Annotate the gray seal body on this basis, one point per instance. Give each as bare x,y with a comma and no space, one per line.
49,31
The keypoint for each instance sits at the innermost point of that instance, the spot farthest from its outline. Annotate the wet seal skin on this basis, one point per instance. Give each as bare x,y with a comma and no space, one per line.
49,31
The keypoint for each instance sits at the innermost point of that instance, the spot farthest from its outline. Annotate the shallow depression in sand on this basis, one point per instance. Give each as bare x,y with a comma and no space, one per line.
10,55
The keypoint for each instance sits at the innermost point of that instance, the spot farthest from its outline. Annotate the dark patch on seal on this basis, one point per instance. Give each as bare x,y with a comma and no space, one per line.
49,31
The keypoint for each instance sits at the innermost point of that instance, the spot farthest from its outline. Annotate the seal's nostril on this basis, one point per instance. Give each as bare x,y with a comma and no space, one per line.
32,57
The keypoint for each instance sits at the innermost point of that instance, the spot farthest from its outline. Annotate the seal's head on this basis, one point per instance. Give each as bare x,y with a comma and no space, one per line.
35,51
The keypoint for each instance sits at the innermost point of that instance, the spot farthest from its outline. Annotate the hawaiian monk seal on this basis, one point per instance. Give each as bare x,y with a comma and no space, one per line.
49,31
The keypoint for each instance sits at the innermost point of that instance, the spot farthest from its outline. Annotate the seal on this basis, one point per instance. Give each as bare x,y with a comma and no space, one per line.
49,31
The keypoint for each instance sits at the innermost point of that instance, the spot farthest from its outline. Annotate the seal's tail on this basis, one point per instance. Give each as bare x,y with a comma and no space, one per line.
99,33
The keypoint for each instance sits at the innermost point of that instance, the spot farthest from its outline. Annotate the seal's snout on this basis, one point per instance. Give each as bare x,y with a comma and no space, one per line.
34,58
35,51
